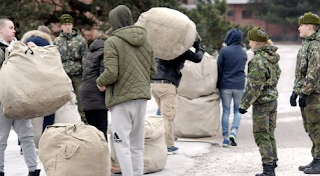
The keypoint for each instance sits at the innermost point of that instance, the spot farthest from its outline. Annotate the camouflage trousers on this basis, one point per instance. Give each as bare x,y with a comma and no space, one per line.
311,122
264,118
76,81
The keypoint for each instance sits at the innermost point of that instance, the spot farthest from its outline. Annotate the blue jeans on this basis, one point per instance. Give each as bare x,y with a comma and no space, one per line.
226,96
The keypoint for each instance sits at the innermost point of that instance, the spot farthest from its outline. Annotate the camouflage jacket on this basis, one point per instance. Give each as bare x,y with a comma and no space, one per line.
73,48
308,66
262,78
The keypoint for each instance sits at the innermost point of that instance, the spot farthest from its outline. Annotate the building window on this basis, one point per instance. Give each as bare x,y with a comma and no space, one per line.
230,13
246,14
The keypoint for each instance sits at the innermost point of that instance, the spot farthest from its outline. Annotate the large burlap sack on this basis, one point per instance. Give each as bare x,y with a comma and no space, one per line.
170,32
33,82
74,150
155,148
199,79
68,113
199,117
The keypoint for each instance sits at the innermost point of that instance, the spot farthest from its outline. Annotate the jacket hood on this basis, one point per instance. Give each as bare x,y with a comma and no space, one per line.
120,17
96,45
269,52
234,36
37,36
135,35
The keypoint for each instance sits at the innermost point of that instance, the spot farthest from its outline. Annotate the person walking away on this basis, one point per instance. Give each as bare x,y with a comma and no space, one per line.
91,99
129,65
73,48
23,128
231,79
307,85
261,92
164,88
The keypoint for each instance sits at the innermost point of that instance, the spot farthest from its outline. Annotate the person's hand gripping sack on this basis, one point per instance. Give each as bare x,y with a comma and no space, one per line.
198,44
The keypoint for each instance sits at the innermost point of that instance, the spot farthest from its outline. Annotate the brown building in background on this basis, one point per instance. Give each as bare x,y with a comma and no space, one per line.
242,12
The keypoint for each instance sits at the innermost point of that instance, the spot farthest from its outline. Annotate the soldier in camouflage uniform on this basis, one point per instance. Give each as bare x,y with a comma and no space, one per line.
73,48
261,92
307,85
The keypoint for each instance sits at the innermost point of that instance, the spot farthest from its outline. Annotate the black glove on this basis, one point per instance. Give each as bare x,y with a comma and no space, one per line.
293,99
302,100
242,111
196,43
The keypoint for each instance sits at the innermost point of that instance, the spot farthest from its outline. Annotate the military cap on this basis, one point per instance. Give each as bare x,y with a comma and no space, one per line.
66,18
258,34
309,18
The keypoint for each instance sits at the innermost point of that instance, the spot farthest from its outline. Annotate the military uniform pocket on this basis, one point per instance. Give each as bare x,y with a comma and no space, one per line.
260,117
312,113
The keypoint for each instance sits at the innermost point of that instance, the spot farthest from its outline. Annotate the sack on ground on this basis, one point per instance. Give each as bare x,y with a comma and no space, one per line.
155,148
199,79
170,32
68,113
33,82
198,117
74,150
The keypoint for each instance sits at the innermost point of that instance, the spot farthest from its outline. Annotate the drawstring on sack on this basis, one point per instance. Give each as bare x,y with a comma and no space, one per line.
30,51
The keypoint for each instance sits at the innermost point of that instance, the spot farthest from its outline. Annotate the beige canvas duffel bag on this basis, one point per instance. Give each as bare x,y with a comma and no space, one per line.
196,118
170,32
155,148
33,82
74,150
199,79
68,113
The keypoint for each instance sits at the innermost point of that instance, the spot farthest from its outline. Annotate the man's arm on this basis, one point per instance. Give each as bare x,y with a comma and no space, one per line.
2,56
84,50
110,73
255,82
313,71
197,56
220,66
153,69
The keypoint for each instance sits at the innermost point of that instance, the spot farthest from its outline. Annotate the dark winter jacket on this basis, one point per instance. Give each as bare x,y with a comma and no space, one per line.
2,52
170,69
231,62
90,96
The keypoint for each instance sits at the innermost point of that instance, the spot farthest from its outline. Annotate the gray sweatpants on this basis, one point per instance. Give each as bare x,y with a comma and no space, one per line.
24,130
128,131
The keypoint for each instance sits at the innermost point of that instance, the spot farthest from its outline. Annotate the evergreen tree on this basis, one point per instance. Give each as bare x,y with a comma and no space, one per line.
209,17
284,12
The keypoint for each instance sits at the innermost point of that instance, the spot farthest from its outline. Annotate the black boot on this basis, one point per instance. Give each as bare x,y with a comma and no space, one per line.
302,168
275,165
268,170
35,173
1,174
314,168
